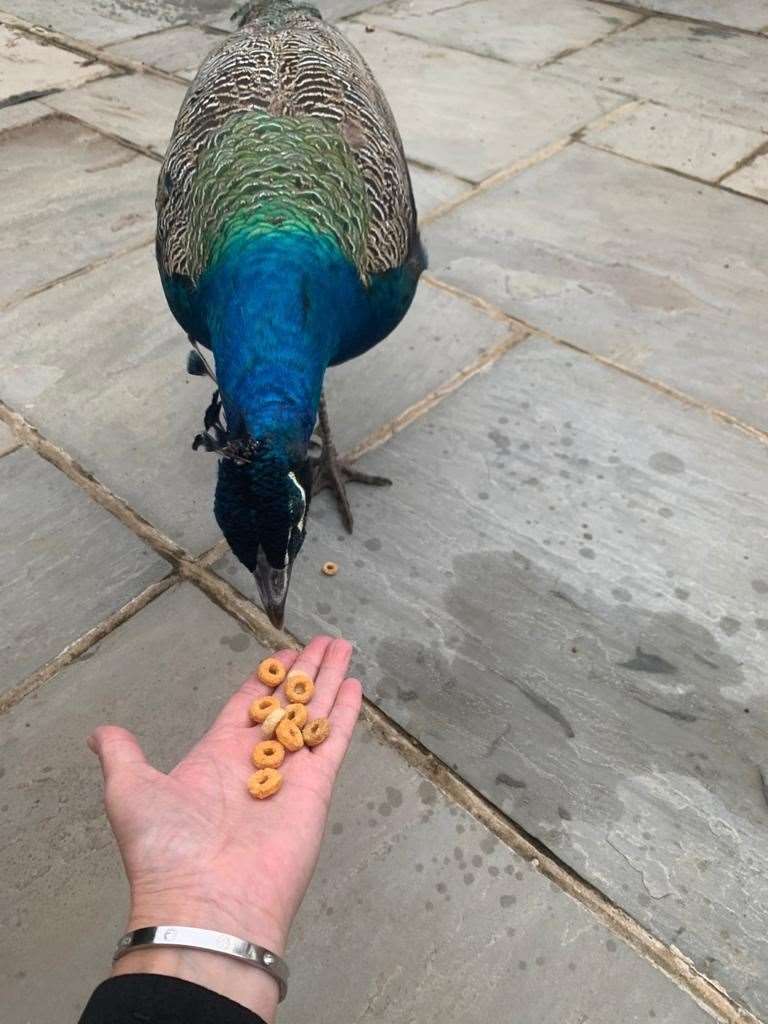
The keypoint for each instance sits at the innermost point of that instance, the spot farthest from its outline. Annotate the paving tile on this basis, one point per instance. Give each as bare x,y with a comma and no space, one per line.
65,564
8,440
751,14
139,108
438,130
97,21
440,336
710,71
752,180
28,67
521,31
678,139
395,851
431,188
72,197
103,350
563,601
20,114
179,50
662,274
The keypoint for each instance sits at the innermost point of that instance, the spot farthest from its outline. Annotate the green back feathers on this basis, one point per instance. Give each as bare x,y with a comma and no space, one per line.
260,173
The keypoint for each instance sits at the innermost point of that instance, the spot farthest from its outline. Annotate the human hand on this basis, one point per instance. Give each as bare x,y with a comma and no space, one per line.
198,850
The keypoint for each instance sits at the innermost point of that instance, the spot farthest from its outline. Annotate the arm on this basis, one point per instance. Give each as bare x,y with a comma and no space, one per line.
198,850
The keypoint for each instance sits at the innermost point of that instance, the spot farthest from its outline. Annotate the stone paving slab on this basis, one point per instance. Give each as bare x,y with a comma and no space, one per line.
561,599
180,50
752,180
72,197
103,349
96,21
751,14
65,564
8,440
432,188
699,146
520,31
28,67
514,111
709,71
20,114
140,108
662,274
450,907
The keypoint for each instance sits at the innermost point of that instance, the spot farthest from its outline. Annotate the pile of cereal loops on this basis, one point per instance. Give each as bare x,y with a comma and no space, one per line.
285,728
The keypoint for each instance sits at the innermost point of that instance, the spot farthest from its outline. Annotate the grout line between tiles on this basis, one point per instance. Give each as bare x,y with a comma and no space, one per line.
669,16
96,53
78,647
17,299
537,332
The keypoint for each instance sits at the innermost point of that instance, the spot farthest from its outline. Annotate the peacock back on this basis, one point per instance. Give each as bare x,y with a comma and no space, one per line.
283,127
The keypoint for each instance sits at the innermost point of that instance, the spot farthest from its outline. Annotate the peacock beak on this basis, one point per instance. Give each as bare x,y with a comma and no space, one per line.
273,587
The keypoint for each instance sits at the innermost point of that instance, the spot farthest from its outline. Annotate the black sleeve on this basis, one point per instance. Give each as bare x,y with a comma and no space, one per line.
157,999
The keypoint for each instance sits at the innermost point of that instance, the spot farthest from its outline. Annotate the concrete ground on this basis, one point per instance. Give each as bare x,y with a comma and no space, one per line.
556,805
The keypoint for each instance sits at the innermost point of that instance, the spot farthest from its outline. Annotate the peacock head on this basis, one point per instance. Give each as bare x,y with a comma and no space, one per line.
261,506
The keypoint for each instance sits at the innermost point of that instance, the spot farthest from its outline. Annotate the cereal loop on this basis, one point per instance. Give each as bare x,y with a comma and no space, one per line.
268,754
298,714
330,569
265,782
316,732
271,672
262,707
299,688
269,724
289,735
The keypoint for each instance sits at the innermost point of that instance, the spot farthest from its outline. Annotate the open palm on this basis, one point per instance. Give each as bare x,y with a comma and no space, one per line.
195,843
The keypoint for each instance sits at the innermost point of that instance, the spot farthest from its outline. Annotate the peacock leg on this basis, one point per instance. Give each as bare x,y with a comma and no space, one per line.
332,471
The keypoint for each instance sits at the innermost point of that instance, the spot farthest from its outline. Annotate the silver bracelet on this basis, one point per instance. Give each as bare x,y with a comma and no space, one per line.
213,942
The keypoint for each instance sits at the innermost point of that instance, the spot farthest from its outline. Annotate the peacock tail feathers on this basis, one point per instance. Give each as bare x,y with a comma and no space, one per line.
285,124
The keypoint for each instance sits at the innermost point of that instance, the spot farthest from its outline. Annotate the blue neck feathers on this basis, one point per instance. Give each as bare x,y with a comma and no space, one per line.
278,308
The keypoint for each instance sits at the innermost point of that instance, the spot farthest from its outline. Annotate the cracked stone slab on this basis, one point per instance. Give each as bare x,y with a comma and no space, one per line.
751,180
699,146
710,71
520,31
29,68
564,595
72,197
65,564
750,14
98,365
657,272
432,88
395,850
177,50
139,108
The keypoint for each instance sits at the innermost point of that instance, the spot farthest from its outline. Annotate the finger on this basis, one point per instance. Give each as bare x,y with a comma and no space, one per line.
330,677
311,658
116,749
235,711
343,718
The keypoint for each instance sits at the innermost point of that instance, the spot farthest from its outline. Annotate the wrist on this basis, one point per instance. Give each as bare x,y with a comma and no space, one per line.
240,982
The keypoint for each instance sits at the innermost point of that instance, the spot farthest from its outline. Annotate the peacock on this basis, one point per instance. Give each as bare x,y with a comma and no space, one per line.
287,242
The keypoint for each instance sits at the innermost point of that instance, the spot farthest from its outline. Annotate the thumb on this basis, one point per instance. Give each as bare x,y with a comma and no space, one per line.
116,749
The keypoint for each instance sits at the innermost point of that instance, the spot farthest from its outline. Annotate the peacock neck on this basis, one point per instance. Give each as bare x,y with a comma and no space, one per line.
276,307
